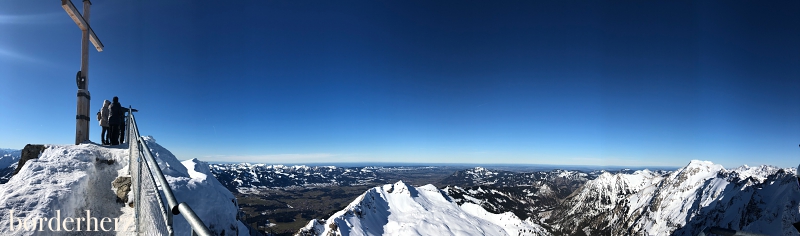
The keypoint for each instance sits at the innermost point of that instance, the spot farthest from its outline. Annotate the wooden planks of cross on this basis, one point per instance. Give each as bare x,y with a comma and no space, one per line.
82,79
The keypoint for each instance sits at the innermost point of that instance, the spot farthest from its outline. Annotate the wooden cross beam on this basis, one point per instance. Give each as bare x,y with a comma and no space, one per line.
82,79
81,22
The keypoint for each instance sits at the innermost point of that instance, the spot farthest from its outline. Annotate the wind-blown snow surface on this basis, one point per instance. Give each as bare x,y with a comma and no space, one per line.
67,179
401,209
700,195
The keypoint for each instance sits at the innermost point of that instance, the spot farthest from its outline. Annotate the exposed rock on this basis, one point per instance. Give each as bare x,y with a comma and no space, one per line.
123,185
31,151
107,162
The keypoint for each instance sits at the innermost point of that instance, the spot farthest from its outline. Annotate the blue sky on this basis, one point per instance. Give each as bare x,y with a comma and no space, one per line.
536,82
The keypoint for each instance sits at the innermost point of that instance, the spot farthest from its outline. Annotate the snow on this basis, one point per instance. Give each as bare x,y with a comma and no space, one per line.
401,209
66,181
762,199
170,165
192,182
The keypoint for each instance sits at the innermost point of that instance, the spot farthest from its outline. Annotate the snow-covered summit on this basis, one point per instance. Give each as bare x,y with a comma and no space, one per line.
402,209
169,164
68,180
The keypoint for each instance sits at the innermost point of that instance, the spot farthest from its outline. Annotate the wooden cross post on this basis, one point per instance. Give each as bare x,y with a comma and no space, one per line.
82,79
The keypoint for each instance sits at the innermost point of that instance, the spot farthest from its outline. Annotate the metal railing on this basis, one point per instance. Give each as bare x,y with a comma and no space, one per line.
153,215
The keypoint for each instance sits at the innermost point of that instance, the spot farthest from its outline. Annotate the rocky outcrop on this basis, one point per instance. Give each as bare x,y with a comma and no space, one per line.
122,186
31,151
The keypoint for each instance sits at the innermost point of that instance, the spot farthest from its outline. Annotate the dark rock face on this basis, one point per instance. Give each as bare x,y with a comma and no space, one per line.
123,186
31,151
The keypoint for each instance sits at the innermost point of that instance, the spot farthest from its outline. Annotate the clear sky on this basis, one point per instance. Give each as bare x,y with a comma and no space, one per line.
542,82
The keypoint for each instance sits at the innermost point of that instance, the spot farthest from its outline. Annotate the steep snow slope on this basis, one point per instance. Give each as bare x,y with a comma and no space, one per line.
64,180
192,182
700,195
400,209
67,180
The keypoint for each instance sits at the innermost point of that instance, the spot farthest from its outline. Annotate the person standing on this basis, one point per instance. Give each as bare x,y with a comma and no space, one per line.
117,120
104,113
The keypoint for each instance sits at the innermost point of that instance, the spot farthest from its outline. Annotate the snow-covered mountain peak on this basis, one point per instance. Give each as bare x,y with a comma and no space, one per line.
197,169
704,166
398,188
758,172
606,176
643,172
697,166
624,182
71,179
192,182
480,171
425,211
428,187
702,194
693,163
694,174
170,165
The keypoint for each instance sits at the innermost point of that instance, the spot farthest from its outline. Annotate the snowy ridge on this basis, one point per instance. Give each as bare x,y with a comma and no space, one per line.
702,194
58,182
71,179
192,182
401,209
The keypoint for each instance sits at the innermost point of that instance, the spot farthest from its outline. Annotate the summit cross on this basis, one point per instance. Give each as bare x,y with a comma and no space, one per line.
82,79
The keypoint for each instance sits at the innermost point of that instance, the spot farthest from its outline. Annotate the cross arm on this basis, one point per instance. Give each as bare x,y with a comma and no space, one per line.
76,16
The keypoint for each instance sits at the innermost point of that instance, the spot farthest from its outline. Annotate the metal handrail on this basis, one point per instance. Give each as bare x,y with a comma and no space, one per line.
175,208
134,133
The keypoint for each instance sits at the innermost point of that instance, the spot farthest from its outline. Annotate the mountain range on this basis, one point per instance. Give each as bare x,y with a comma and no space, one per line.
686,201
481,201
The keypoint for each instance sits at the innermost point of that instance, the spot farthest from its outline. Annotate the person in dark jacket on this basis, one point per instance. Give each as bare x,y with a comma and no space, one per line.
117,121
